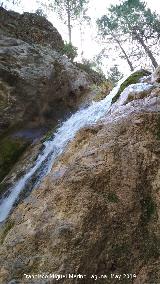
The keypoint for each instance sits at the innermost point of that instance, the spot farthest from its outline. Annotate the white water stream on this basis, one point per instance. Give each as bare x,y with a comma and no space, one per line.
56,146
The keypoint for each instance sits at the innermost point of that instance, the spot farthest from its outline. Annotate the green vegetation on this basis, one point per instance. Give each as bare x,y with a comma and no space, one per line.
121,249
112,197
148,208
3,187
40,12
48,136
69,50
158,128
103,90
95,73
69,11
99,96
11,150
114,74
132,79
4,95
86,65
151,245
131,23
7,227
91,66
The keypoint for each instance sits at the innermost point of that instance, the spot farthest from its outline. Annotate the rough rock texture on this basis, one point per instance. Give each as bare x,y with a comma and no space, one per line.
15,166
97,212
97,78
31,28
156,75
32,75
38,87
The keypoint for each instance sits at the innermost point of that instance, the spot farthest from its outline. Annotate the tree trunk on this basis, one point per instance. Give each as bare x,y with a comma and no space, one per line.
147,50
69,21
81,38
125,54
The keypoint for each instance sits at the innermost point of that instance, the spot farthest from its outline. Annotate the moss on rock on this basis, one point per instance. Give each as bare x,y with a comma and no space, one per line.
132,79
103,90
3,187
112,197
7,227
158,128
148,209
11,150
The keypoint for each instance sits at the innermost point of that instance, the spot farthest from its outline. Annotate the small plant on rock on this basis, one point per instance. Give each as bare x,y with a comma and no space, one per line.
70,51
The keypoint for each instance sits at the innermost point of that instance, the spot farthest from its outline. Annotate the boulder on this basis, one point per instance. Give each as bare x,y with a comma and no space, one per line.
30,28
38,86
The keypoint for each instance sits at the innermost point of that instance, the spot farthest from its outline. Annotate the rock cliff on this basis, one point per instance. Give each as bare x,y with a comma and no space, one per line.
30,28
39,87
97,212
33,72
95,216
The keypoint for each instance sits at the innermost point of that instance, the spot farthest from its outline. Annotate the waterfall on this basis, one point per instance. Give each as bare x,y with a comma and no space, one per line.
54,147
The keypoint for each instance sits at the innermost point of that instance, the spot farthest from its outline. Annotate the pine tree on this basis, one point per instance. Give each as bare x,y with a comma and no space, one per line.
114,75
69,10
109,30
137,21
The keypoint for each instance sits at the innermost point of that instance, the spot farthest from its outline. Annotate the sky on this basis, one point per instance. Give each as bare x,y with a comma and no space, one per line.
89,44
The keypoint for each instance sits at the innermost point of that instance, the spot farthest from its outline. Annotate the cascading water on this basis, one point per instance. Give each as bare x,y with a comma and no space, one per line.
56,146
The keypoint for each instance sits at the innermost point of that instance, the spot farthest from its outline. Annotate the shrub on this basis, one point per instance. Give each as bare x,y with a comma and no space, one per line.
40,12
69,50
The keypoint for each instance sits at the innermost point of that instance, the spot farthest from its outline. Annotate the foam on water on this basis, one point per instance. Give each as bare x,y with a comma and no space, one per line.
56,146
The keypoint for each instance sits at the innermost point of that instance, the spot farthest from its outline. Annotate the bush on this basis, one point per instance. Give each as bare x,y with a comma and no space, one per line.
40,12
69,50
89,67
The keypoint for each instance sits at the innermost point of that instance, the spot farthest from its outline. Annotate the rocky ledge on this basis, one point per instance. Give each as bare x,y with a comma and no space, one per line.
97,212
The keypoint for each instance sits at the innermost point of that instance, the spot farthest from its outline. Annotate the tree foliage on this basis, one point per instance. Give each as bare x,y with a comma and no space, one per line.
110,32
114,75
69,50
40,12
139,22
68,10
75,6
132,24
4,3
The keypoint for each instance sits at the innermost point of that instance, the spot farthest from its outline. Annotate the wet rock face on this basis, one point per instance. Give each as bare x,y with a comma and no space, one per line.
31,28
38,86
97,211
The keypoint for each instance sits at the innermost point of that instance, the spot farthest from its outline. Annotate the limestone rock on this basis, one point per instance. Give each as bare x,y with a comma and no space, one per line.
97,212
30,28
39,87
33,75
